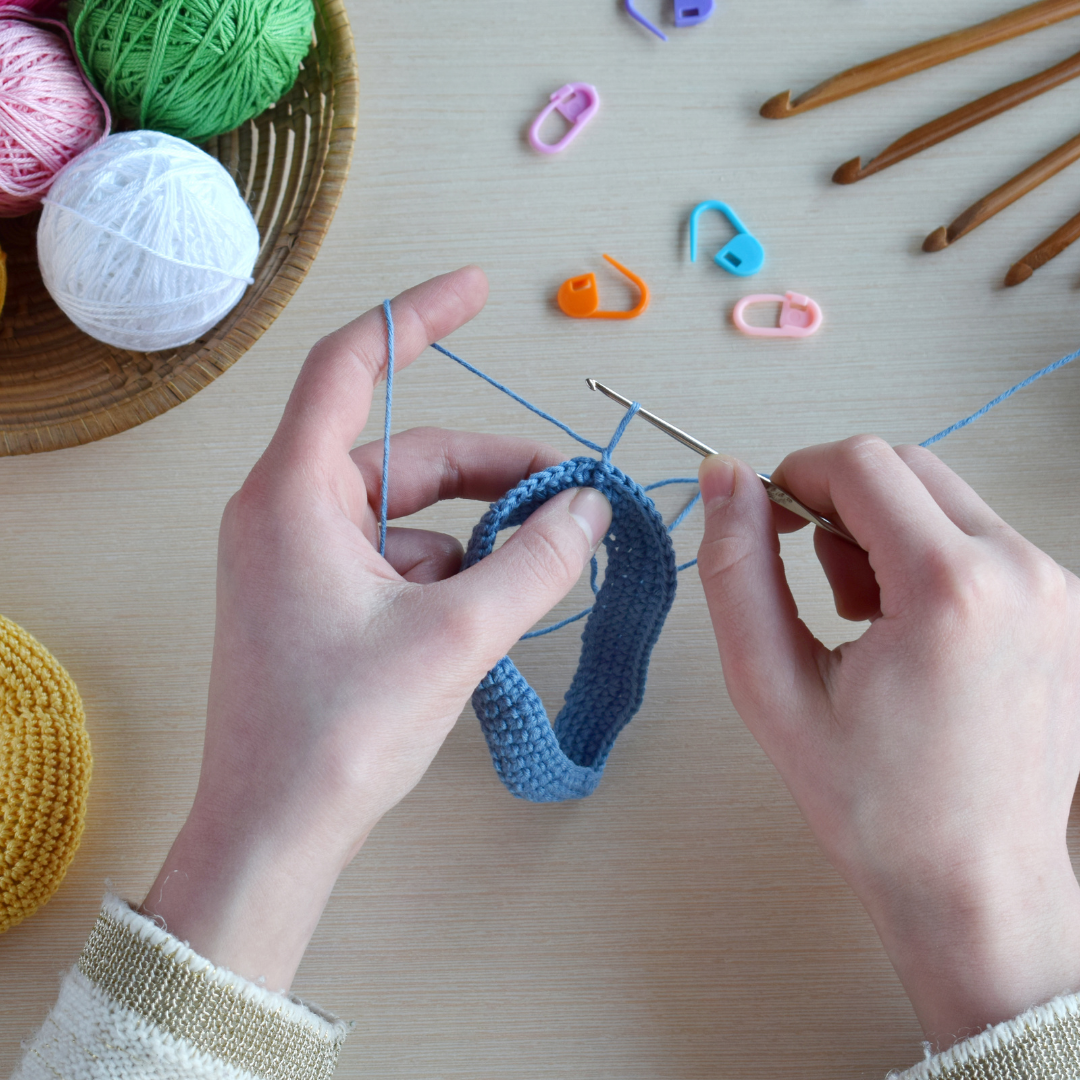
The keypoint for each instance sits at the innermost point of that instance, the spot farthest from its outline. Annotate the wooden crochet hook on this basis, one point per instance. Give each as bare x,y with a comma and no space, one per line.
776,493
1004,196
967,116
899,65
1052,246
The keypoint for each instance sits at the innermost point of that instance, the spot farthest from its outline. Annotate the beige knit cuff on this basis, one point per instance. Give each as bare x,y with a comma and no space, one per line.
1042,1042
147,970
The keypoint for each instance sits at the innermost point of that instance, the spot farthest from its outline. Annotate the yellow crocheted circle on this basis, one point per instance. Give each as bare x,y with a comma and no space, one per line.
45,768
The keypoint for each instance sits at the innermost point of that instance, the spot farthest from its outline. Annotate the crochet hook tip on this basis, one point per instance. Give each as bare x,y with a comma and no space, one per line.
778,107
1017,273
590,383
938,240
850,172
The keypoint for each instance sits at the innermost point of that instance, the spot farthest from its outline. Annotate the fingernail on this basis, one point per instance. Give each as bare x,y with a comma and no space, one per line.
717,478
591,510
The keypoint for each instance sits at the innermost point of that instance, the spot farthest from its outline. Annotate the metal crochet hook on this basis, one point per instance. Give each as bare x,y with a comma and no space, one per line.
776,493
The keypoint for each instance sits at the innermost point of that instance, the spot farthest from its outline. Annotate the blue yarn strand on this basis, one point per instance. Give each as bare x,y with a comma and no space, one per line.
1000,398
520,400
624,423
384,495
556,626
673,480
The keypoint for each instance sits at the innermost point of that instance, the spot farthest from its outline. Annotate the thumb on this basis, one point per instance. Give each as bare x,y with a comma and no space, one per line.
513,587
768,655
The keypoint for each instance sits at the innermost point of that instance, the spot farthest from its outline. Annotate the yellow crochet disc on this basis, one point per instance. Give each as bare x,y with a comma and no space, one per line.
44,773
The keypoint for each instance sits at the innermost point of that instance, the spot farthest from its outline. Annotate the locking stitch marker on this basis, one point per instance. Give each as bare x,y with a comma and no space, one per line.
579,297
799,316
687,13
692,13
742,255
635,14
578,103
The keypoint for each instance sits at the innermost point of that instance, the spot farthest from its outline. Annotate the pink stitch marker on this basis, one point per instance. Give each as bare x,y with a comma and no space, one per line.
578,102
799,316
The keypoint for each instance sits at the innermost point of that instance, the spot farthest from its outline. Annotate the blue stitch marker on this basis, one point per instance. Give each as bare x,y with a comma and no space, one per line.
742,255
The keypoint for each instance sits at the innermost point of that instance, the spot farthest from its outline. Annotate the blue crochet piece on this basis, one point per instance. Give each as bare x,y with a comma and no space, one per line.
536,760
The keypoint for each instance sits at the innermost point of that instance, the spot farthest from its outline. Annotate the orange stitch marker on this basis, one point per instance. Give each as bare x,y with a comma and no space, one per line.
579,297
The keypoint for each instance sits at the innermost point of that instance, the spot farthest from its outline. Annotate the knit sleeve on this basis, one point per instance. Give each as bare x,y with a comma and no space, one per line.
140,1003
1042,1043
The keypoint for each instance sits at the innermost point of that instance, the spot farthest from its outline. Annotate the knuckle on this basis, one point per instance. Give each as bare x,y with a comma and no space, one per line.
980,591
912,455
861,452
966,588
1044,583
247,508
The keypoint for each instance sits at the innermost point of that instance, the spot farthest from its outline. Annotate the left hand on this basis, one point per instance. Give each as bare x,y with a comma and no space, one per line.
337,674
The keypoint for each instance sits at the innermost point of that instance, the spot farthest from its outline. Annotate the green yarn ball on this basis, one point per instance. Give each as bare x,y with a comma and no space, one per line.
191,68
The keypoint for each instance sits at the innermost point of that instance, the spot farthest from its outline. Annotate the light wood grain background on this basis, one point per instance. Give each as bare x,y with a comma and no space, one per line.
681,922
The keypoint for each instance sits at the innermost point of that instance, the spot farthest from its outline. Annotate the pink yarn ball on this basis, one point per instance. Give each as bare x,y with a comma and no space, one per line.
46,8
48,112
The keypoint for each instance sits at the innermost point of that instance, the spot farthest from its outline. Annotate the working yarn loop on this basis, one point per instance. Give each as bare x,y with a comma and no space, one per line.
192,68
539,761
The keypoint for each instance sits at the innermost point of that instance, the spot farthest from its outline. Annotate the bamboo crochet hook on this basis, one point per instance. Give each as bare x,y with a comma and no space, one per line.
1004,196
1051,247
776,493
928,54
967,116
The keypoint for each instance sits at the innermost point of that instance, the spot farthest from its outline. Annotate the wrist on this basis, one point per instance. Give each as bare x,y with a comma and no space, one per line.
245,894
973,950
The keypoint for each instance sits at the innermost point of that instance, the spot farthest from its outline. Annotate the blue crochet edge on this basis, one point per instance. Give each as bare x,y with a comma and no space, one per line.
535,759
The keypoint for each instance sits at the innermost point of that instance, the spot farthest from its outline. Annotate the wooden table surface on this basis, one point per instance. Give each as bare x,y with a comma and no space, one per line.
681,922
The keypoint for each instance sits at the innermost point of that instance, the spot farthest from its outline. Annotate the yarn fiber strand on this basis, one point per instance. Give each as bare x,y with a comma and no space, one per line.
192,68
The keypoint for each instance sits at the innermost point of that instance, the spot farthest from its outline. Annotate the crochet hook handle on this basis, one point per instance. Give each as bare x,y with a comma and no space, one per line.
898,65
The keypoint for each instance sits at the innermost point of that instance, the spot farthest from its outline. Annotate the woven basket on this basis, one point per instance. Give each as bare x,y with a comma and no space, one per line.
59,387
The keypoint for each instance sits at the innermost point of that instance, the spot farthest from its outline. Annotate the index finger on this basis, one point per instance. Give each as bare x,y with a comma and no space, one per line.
428,465
330,402
884,505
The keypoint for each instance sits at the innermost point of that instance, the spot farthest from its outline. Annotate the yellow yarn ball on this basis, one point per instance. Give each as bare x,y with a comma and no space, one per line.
45,769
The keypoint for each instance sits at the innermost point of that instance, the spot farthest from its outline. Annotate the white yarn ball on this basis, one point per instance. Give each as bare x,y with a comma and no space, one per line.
145,243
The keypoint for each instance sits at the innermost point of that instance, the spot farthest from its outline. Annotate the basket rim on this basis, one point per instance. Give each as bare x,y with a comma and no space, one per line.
215,357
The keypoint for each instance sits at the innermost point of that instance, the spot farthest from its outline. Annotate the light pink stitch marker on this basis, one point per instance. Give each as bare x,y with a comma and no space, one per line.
799,316
578,103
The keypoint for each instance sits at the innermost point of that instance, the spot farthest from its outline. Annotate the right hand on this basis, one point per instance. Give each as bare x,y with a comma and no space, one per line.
936,756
